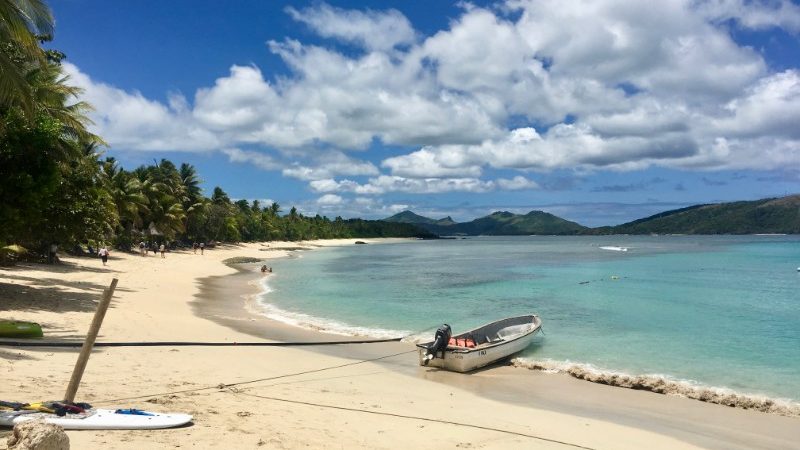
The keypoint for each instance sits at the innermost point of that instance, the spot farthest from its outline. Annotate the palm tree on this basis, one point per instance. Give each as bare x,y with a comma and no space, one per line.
126,191
52,96
194,204
22,22
274,209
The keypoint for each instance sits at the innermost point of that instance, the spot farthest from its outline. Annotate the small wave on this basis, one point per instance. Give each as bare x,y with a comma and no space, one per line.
662,384
614,248
314,323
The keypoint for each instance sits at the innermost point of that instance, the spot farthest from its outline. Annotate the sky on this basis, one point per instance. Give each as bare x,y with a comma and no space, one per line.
600,112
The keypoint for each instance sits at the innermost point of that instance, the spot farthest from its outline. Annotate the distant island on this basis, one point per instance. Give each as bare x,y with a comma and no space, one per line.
766,216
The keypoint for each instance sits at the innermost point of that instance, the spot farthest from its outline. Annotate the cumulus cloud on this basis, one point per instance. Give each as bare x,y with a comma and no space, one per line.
257,158
374,30
516,184
330,164
330,199
596,85
771,107
757,14
130,121
425,163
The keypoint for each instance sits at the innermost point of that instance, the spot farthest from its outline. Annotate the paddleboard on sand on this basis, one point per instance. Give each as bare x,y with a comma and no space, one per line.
16,329
100,419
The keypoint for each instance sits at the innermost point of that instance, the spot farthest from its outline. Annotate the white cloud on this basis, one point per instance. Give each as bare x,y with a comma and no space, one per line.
373,30
330,164
128,120
756,14
330,199
427,164
517,183
769,108
258,159
593,85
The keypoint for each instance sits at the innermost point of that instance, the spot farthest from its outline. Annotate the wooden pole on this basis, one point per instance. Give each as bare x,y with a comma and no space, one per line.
86,350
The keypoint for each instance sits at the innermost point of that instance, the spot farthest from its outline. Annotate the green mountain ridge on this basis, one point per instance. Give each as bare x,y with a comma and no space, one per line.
497,223
771,215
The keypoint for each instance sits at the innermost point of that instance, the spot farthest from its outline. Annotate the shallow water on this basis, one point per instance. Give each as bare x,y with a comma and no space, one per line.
713,311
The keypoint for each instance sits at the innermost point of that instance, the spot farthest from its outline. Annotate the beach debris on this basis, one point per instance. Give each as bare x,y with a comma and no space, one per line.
38,435
165,400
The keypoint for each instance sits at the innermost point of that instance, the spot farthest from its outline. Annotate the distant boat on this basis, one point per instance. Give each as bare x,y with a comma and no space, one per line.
481,346
615,248
14,329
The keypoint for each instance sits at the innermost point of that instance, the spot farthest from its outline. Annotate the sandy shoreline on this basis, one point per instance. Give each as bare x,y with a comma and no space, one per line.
339,400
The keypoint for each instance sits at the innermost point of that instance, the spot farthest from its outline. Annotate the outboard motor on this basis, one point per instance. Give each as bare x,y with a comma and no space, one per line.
439,344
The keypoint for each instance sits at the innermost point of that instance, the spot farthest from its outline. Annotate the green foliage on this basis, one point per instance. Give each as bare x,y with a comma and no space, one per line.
29,174
781,215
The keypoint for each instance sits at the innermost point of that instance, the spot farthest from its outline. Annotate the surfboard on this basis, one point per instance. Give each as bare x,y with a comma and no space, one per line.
100,419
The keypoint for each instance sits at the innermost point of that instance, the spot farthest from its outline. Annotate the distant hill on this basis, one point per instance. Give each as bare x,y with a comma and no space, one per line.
772,215
497,223
410,217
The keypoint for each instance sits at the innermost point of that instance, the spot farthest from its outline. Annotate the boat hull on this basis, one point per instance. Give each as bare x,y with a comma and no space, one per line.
459,359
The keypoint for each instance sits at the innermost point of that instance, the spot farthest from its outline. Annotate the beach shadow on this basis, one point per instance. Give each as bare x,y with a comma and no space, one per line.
11,355
499,363
51,298
55,282
69,266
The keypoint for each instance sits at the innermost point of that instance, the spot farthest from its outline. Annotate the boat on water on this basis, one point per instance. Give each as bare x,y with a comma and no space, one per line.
481,346
15,329
614,248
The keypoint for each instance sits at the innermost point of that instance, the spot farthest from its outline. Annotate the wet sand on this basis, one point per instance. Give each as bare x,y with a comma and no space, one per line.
230,301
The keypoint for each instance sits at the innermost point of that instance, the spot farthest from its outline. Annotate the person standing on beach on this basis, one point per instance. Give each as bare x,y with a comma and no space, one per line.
141,248
202,247
161,249
194,247
51,253
103,254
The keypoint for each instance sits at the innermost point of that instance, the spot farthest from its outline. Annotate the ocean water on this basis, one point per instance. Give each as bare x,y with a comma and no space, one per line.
702,312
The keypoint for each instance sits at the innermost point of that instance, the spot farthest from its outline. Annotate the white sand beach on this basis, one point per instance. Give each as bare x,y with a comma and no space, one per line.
296,397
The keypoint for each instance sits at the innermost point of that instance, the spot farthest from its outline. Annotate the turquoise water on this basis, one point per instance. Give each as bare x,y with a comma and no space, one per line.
719,311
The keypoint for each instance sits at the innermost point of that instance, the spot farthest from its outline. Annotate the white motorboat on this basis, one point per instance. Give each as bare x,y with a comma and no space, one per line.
481,346
614,248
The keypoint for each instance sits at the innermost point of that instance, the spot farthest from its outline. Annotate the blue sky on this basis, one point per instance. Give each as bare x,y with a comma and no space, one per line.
600,112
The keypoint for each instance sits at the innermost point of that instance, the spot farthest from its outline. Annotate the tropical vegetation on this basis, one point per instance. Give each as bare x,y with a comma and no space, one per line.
56,187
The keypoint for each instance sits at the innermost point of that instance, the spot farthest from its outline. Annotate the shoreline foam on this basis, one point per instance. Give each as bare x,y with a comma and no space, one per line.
661,384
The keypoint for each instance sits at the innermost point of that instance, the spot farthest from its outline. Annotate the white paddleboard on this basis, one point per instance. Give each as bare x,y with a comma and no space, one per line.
99,419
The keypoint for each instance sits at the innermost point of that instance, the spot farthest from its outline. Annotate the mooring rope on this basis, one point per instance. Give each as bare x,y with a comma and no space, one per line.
425,419
239,383
76,344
